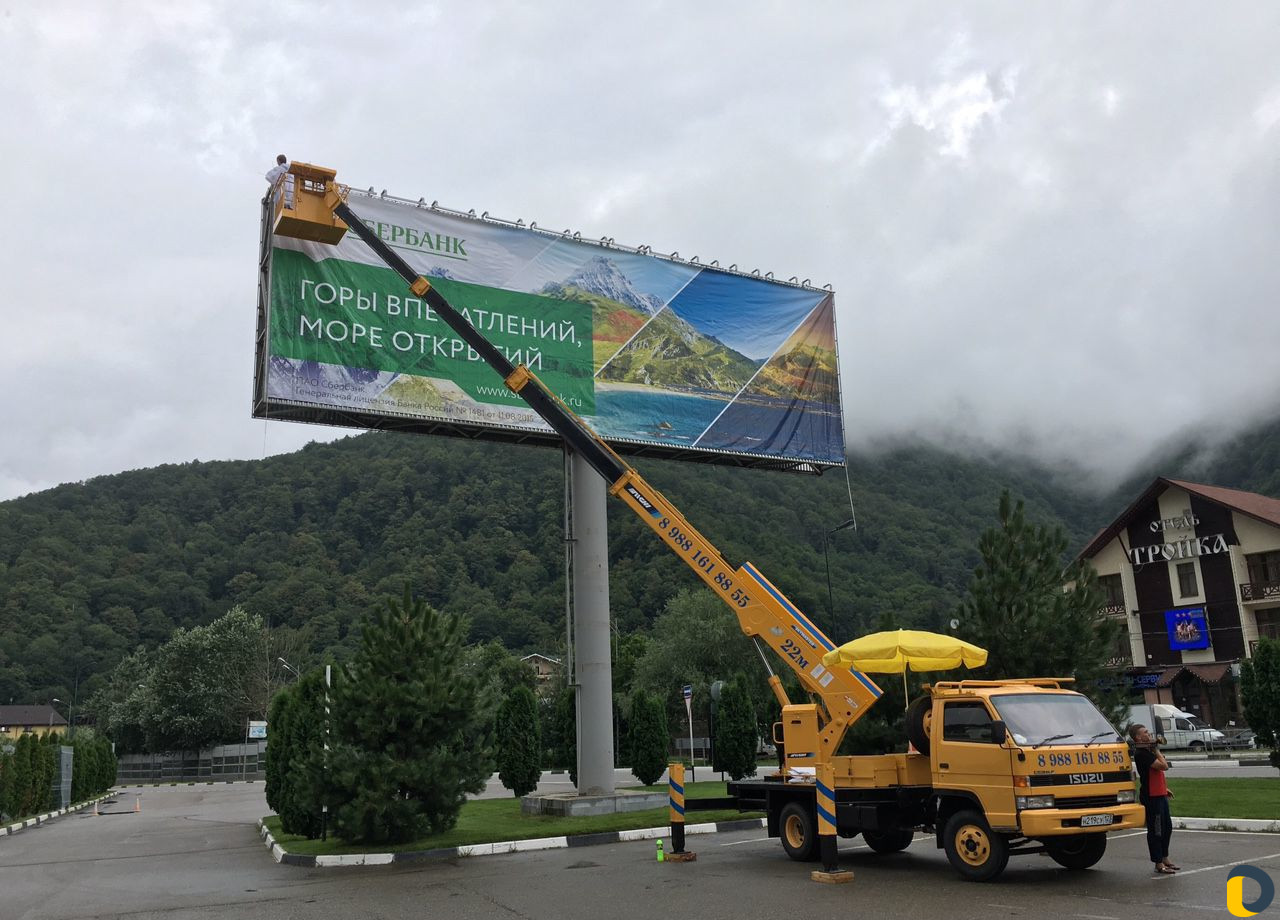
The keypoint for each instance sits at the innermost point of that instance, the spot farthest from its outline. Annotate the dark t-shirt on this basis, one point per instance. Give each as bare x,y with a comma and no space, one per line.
1151,782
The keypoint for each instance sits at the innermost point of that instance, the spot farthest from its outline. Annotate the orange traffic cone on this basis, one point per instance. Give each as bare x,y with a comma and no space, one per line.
95,808
137,803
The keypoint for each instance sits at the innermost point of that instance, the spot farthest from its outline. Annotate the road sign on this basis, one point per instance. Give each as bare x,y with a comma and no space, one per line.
257,730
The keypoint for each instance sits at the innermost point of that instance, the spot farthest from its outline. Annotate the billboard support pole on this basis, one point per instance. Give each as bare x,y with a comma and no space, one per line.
592,664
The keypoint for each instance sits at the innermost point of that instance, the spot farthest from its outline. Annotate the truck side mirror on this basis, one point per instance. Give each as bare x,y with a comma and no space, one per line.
999,733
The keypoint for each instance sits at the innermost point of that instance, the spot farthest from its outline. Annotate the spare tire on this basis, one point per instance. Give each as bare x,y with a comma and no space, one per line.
919,723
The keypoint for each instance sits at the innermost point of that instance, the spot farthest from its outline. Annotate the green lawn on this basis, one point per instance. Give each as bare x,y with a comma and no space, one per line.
1241,797
493,820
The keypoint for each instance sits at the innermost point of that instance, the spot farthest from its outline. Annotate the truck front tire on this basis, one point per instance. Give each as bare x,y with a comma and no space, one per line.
973,849
1079,851
799,831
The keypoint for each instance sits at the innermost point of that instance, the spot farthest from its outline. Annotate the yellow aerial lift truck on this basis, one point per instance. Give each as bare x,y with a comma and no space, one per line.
999,767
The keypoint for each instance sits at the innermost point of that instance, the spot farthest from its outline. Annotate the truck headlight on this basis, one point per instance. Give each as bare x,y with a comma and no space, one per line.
1034,801
1125,797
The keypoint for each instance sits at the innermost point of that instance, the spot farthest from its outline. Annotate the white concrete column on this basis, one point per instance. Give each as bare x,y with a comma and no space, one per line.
592,663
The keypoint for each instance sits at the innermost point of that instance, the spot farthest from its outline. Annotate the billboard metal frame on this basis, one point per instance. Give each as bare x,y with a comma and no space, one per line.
277,409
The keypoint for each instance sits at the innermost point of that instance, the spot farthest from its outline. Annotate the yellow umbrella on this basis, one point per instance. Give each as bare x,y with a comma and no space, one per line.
895,651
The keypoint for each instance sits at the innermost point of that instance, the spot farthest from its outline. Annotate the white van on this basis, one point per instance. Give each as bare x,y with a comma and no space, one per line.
1179,729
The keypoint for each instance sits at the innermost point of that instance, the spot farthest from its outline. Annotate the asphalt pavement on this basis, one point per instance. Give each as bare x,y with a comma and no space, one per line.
193,853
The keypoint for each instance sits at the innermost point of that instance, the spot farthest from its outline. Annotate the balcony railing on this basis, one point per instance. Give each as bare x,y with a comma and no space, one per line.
1112,610
1259,591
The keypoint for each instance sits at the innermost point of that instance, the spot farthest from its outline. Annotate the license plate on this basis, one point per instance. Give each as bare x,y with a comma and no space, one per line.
1096,820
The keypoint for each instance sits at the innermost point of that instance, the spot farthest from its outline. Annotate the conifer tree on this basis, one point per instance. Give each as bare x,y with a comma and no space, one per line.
6,784
22,780
519,742
410,741
279,756
561,732
1036,614
1260,687
736,739
649,739
49,748
112,764
305,790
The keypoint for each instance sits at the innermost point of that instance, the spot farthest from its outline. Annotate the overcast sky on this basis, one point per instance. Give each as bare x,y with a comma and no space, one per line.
1051,227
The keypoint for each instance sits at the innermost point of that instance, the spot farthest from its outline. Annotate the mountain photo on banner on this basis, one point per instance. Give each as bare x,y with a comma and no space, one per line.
792,406
677,374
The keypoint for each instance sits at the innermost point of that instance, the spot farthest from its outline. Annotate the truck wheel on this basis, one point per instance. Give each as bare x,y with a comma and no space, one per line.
799,831
1197,747
974,850
893,840
1076,852
919,722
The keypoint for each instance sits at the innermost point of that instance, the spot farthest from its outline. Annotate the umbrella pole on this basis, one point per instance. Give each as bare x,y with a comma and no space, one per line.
905,701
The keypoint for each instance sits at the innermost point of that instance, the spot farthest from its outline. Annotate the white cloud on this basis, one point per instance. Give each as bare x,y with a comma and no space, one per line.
1051,227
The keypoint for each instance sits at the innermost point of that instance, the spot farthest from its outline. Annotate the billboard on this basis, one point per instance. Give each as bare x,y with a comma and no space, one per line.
1188,628
657,355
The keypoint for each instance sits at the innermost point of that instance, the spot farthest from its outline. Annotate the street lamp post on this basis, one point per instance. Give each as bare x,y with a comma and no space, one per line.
826,555
288,667
51,712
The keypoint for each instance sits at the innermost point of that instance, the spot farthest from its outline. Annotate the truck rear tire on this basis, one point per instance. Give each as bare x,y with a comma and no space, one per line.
893,840
919,722
1076,852
974,850
798,829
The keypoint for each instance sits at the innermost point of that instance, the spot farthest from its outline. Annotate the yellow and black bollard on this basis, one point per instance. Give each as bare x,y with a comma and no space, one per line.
675,801
830,873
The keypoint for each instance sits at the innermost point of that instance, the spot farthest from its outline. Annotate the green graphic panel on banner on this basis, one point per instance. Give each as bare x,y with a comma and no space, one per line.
362,316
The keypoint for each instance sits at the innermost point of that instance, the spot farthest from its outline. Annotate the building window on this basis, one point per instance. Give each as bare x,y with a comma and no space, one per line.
1187,579
1269,623
1264,568
1112,593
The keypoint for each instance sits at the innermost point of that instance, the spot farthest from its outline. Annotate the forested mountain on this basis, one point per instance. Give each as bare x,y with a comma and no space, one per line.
312,540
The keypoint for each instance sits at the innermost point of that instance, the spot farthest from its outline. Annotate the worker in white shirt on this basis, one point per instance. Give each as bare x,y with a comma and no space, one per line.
281,172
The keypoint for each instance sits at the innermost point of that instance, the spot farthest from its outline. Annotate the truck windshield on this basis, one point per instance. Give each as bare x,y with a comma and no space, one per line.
1034,717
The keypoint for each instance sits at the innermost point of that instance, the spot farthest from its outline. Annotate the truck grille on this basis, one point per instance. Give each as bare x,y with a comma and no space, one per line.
1085,801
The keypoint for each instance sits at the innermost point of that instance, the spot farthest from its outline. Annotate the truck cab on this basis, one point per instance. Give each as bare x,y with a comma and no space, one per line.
1020,765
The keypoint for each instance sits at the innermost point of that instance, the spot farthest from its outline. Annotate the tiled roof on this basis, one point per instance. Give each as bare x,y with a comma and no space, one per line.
1252,504
33,716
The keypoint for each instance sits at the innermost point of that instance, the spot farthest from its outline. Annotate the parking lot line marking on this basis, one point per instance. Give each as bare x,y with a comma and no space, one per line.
1097,917
738,843
1130,834
1223,866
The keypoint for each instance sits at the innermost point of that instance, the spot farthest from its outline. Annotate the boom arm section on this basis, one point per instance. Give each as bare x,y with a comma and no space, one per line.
763,612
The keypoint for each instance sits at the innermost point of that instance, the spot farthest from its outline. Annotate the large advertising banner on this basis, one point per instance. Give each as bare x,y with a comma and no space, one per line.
648,351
